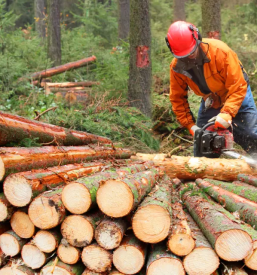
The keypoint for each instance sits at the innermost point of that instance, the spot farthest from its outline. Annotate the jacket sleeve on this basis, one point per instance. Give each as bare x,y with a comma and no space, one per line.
178,99
234,83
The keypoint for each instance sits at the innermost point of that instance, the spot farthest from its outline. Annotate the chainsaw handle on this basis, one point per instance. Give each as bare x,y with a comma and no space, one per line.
208,125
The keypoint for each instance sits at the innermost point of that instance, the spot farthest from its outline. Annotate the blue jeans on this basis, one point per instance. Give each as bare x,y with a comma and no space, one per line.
244,123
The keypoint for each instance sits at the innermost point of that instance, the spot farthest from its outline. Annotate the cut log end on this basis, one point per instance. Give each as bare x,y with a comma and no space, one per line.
151,224
164,266
128,259
96,258
51,270
22,225
77,230
251,259
32,256
115,198
181,244
2,169
233,245
9,245
3,211
90,272
68,254
17,190
45,241
76,198
12,270
201,260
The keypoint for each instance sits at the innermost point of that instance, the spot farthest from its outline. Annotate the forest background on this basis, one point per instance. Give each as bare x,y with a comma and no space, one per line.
91,27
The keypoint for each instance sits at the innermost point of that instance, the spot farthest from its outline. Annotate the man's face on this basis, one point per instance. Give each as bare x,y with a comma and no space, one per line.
194,54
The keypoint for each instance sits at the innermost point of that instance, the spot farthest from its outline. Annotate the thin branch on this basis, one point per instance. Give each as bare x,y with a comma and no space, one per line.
186,140
50,109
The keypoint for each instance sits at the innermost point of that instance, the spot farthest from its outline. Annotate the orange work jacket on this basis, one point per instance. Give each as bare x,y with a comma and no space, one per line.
224,78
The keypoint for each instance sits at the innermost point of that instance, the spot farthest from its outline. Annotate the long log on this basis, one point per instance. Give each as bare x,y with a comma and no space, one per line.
13,160
79,230
69,84
117,198
130,256
203,259
67,253
16,267
248,179
246,209
6,209
47,240
152,220
21,188
62,68
97,258
193,168
15,128
79,196
109,233
162,262
230,241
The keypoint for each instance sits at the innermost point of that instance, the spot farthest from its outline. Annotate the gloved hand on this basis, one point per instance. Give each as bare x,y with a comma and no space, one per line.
222,120
193,129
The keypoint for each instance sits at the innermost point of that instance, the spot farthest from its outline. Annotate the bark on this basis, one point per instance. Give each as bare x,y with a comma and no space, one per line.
47,241
79,196
56,267
47,210
140,68
130,256
54,31
74,89
203,259
22,225
72,97
11,244
180,241
228,268
179,12
16,266
230,241
21,187
13,160
152,220
211,18
246,209
109,233
124,12
69,84
40,11
194,168
239,188
97,258
161,261
117,198
68,253
6,209
15,128
248,179
79,230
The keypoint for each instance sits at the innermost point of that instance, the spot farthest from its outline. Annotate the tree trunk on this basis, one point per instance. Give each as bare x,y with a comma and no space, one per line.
20,188
162,262
57,267
79,196
40,23
230,241
232,202
6,209
54,31
140,68
109,233
203,259
248,179
117,198
11,244
97,258
68,253
16,266
179,12
22,225
152,220
130,256
211,19
79,230
124,13
194,168
47,241
15,128
13,160
47,210
180,241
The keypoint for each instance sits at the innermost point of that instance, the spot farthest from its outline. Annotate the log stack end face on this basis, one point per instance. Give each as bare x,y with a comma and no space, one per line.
165,265
181,244
45,241
32,256
2,169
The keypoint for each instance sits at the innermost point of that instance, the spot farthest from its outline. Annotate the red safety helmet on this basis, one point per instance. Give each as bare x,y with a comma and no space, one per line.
182,39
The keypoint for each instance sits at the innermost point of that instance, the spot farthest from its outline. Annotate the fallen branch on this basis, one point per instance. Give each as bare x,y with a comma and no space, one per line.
50,109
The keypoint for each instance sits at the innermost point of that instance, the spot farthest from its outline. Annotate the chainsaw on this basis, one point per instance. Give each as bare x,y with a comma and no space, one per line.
211,143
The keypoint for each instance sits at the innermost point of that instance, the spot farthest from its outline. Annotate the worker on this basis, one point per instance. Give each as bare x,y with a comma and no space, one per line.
213,71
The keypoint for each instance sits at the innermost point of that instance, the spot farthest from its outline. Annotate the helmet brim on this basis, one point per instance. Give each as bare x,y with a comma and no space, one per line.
186,53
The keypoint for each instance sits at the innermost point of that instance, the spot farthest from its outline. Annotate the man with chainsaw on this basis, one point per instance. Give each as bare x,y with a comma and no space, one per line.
213,71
